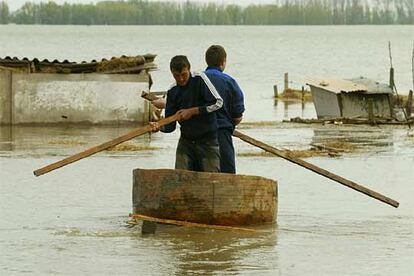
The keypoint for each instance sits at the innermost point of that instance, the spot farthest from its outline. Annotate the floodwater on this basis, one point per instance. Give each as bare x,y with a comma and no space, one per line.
73,220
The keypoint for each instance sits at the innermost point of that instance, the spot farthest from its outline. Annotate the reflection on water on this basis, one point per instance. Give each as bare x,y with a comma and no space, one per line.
208,251
60,140
6,138
286,109
363,138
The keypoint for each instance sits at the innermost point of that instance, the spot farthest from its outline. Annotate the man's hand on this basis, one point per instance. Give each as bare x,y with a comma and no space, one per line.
237,121
188,113
159,103
155,127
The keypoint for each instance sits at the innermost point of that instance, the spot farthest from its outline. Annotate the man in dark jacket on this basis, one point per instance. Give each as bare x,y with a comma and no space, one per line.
196,101
232,111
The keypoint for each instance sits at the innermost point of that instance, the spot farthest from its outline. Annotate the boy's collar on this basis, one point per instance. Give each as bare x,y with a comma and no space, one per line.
214,67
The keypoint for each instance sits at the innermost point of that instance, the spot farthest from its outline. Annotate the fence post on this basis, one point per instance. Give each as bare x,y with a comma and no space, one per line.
275,93
286,82
303,93
409,106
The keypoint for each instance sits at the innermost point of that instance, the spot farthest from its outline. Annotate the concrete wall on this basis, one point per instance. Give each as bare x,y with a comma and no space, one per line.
349,105
356,104
74,98
5,97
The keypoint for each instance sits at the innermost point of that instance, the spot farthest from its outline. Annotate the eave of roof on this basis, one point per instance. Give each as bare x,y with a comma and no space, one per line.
55,66
357,85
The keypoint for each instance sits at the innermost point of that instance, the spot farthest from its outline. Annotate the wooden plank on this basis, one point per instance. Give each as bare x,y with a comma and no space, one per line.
192,224
149,96
134,133
316,169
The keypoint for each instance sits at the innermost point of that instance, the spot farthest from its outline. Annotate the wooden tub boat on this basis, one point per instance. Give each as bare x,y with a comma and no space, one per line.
201,197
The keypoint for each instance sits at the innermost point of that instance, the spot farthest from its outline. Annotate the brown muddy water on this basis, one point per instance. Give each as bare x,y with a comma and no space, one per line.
72,221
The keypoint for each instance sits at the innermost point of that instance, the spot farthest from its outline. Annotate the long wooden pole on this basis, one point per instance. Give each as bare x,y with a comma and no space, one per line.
192,224
314,168
132,134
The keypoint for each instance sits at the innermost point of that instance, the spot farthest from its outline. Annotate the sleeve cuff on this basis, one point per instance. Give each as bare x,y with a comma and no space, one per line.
236,115
202,109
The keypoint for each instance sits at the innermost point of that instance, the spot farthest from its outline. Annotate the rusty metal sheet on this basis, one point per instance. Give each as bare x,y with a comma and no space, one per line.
336,86
356,85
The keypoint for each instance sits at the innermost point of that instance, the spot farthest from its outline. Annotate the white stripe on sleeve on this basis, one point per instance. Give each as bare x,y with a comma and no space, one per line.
213,90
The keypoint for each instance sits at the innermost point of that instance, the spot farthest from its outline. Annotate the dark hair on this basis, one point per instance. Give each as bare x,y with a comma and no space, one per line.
178,63
215,55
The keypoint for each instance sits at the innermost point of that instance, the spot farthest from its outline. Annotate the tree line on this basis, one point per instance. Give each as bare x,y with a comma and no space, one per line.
283,12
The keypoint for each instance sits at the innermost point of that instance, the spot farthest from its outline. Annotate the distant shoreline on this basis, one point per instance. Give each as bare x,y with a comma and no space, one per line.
140,12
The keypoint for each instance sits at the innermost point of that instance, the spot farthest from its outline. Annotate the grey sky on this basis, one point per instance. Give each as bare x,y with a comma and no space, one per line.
15,4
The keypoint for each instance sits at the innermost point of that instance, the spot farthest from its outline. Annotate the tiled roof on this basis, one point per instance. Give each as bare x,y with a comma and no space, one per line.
123,64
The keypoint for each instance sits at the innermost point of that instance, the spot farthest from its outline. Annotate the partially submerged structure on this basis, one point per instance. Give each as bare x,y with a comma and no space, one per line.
95,92
360,97
203,197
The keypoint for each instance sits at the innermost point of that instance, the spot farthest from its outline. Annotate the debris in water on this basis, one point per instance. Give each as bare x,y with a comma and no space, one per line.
312,152
66,142
290,94
341,146
132,147
244,125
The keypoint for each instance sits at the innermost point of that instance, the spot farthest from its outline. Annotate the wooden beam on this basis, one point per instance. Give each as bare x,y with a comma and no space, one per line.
134,133
318,170
192,224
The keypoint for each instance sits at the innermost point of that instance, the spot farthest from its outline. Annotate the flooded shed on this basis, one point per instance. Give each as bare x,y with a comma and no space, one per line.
359,97
94,92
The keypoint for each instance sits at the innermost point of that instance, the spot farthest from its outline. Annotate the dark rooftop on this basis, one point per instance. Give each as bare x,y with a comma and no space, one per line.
115,65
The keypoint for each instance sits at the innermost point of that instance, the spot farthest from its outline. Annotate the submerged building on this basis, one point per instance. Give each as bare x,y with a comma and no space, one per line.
360,97
95,92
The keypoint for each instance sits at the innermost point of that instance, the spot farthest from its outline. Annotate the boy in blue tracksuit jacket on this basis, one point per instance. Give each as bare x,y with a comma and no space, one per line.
232,111
196,101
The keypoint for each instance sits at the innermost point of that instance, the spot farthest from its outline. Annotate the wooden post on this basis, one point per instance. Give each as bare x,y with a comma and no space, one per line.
148,227
370,110
409,106
286,82
275,93
303,94
392,78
